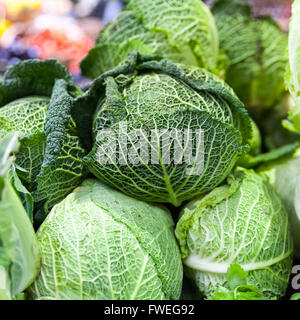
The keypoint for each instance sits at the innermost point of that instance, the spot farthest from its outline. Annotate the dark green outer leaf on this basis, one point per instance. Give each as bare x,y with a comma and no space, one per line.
85,106
31,77
50,157
62,168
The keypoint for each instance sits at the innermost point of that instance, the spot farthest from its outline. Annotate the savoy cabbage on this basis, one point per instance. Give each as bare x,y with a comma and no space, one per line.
242,222
256,50
101,244
183,31
90,171
151,97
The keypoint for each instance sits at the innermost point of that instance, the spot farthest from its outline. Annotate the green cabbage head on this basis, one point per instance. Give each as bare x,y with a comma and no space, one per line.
183,31
256,51
174,132
284,175
99,244
35,100
242,222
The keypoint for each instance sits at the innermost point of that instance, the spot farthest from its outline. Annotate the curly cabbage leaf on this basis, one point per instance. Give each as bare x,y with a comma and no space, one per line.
19,251
101,244
256,52
27,116
35,100
292,74
243,222
183,31
25,196
158,98
295,296
237,289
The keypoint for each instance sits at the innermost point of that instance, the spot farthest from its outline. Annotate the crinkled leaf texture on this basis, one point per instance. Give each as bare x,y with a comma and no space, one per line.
284,175
243,222
256,52
19,252
157,96
183,31
101,244
35,100
293,71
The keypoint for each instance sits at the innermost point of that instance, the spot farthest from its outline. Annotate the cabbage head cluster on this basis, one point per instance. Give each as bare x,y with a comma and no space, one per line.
156,170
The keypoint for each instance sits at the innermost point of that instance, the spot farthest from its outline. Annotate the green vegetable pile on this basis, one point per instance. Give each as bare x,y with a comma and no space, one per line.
174,175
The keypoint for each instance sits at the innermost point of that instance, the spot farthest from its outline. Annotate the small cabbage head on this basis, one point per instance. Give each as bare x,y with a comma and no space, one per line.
35,100
242,222
162,133
256,53
99,244
183,31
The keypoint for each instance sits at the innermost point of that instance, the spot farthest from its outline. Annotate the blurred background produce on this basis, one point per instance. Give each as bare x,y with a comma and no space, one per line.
66,30
278,9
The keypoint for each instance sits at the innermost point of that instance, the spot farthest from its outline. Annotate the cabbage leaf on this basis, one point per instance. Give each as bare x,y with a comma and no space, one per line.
19,251
35,100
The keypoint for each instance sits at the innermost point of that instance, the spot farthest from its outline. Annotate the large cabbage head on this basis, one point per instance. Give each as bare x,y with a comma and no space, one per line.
35,100
162,133
100,244
257,53
242,222
183,31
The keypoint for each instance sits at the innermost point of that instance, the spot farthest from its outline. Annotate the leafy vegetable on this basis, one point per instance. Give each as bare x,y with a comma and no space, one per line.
274,134
183,31
292,75
36,99
158,125
19,252
295,296
142,101
284,175
256,51
242,222
101,244
238,288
